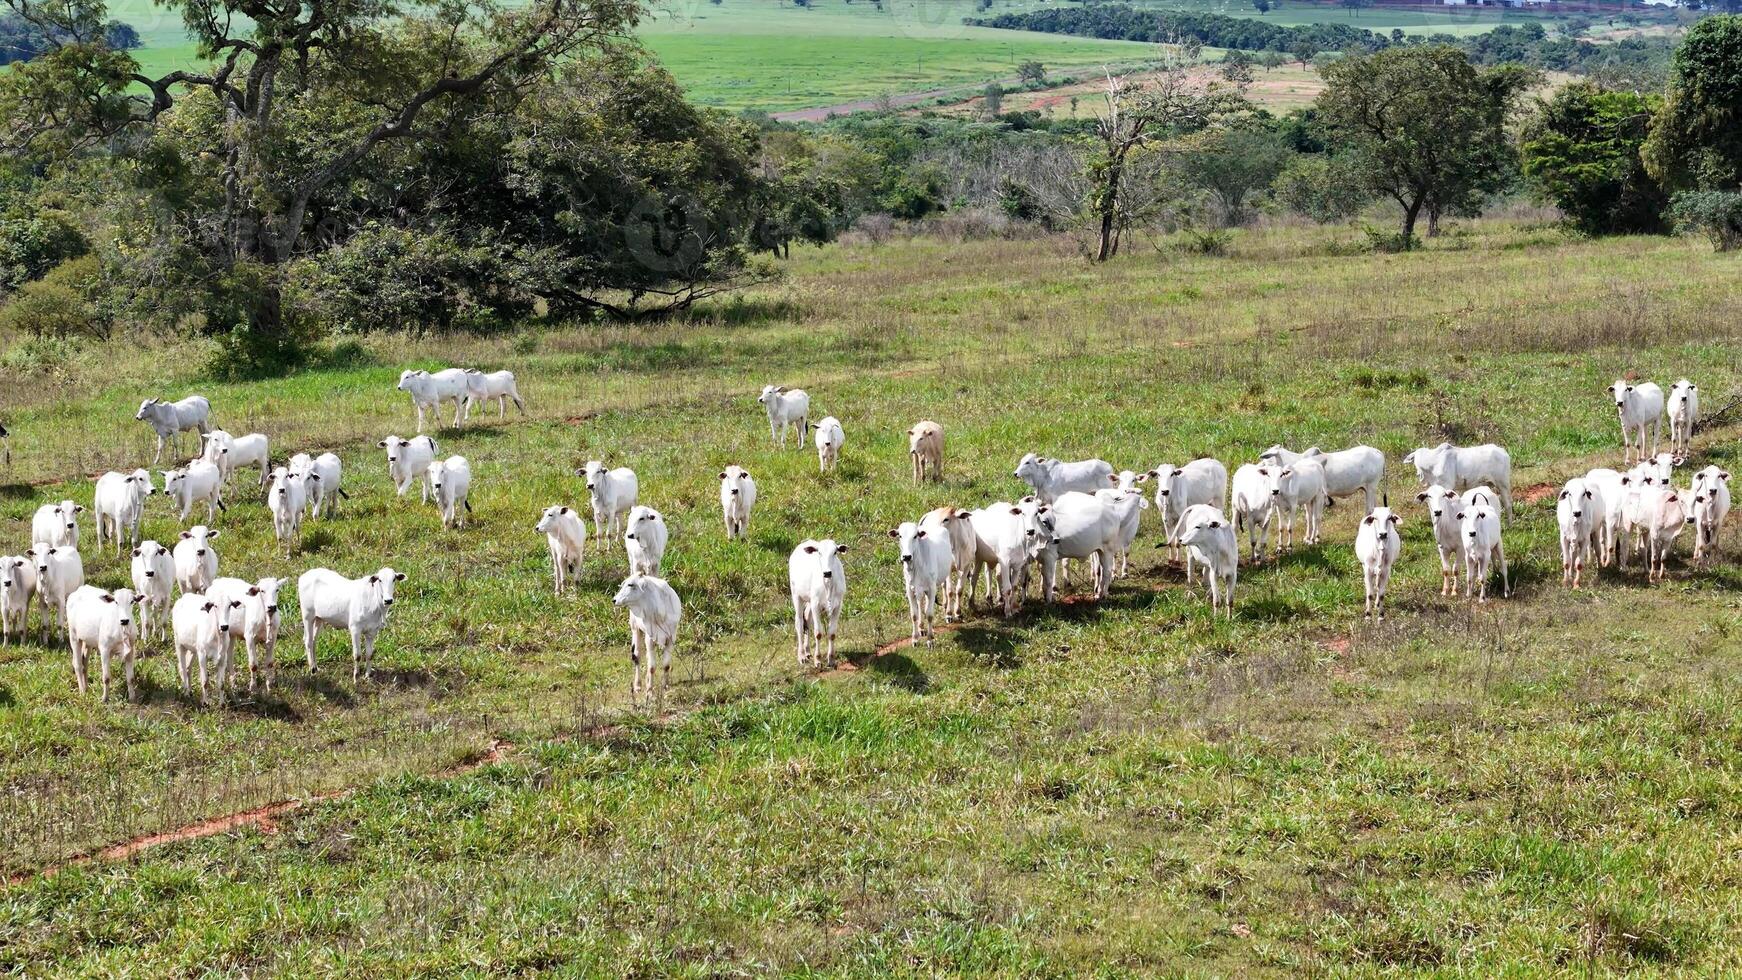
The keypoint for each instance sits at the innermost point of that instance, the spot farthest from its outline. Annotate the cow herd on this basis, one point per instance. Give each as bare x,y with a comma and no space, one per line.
1081,510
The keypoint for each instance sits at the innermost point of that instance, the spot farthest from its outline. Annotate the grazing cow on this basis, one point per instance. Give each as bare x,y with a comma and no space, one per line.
1581,515
1053,478
925,449
1684,414
195,482
326,475
955,526
1460,468
102,622
17,586
358,606
785,407
1480,526
1292,487
59,573
243,452
1358,469
830,437
1180,488
1711,505
1128,507
926,563
428,391
57,524
613,494
644,541
566,536
1212,542
1007,537
1377,543
170,419
1666,514
1444,506
408,460
500,385
819,588
1251,502
120,503
1639,406
202,636
254,615
737,500
654,614
1083,527
196,561
286,500
153,571
451,481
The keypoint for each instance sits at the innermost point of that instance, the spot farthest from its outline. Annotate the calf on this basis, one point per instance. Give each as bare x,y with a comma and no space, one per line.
59,573
57,524
1639,406
1711,505
1083,526
1684,414
1358,469
830,438
197,481
1251,502
737,500
1666,513
955,526
925,450
451,481
1480,526
1580,514
566,537
170,419
1053,478
1212,542
1128,507
819,588
17,587
428,391
1180,488
254,615
120,503
102,622
644,541
654,614
408,460
785,407
1460,468
202,636
613,494
1298,485
500,385
286,502
926,563
196,561
153,571
359,606
1377,543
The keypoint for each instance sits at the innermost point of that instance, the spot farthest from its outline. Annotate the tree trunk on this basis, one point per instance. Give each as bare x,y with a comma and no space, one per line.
1433,221
1110,210
1410,212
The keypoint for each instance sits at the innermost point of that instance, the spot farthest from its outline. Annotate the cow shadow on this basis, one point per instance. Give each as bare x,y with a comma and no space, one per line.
16,491
899,670
995,645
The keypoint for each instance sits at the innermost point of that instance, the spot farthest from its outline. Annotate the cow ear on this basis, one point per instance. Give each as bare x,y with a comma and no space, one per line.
254,590
213,535
78,508
565,510
1113,478
106,597
1392,518
1672,498
1287,472
840,549
1148,474
382,444
894,532
1626,480
1421,496
747,474
1564,495
921,534
1016,510
31,553
208,607
374,580
1043,510
1369,519
722,474
810,549
1460,515
910,432
1587,495
1724,475
185,535
136,552
235,604
1215,523
398,576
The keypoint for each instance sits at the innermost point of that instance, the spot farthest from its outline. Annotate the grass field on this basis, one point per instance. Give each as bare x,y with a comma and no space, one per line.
1545,784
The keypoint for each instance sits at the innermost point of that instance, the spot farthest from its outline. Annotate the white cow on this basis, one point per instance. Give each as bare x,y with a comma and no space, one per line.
1377,544
1684,414
926,564
287,501
1480,526
59,573
925,451
1250,501
955,526
1053,478
17,587
830,437
1180,488
1300,484
243,452
786,407
1128,507
654,614
57,524
737,500
170,419
1443,507
358,606
1084,527
103,623
500,385
644,541
1666,514
408,460
326,485
1711,505
1358,469
1460,468
565,534
451,481
254,615
819,588
1613,493
197,481
120,503
613,494
196,561
1639,491
1580,512
428,391
1639,406
202,636
1212,542
1007,537
153,572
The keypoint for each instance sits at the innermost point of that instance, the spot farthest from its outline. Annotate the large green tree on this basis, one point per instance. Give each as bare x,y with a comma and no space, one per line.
1581,150
1696,136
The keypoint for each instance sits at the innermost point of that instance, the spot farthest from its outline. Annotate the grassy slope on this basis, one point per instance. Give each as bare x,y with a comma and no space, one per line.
1547,781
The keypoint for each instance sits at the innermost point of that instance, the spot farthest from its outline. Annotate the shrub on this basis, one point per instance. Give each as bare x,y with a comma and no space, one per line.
31,246
1715,214
1207,241
1383,240
59,305
1322,187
